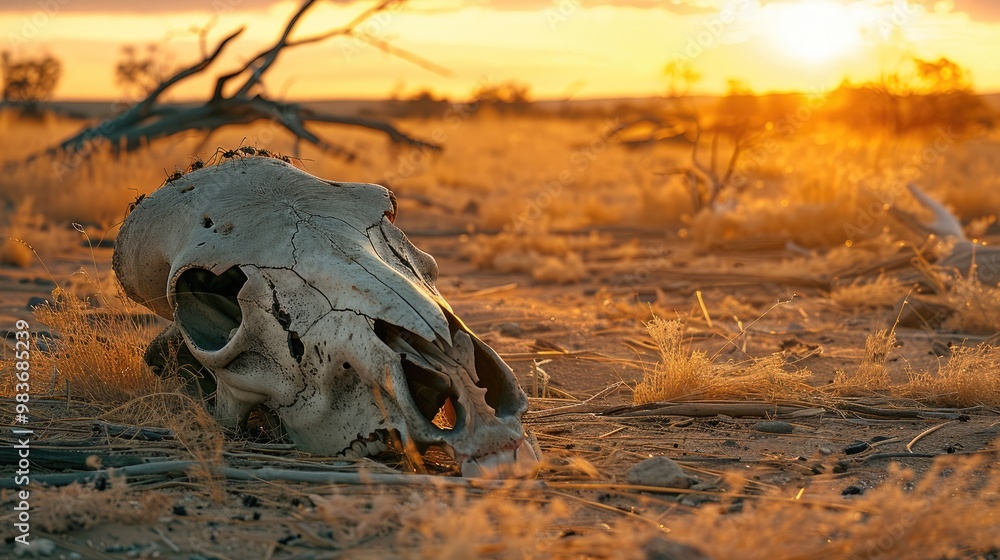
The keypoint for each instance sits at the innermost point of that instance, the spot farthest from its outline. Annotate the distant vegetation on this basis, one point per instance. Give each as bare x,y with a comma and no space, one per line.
29,81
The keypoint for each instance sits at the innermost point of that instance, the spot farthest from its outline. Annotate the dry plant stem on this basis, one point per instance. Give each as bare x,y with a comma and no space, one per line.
946,414
272,474
749,325
581,407
925,433
704,409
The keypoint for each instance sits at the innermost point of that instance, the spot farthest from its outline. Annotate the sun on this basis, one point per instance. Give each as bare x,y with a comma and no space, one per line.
814,31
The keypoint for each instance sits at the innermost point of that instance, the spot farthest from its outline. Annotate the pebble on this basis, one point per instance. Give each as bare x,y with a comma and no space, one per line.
512,330
659,471
774,427
36,301
856,447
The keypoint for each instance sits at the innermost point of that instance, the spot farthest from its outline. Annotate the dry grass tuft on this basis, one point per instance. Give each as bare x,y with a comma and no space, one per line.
445,525
686,373
99,353
883,291
548,257
494,525
680,372
76,507
970,377
871,376
976,305
951,512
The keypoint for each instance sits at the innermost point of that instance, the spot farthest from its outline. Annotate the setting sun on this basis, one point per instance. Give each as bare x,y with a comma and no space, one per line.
814,31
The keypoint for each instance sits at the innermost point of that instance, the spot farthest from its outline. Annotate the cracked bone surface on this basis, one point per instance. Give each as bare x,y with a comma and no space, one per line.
301,295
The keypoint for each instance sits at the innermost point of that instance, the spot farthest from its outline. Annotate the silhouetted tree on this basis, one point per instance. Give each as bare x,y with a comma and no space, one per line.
922,96
28,81
139,74
510,95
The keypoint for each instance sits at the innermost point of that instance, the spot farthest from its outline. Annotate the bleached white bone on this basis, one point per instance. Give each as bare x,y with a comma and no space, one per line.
301,294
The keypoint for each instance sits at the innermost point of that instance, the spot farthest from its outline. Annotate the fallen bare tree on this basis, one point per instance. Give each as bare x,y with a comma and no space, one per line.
962,254
950,277
239,98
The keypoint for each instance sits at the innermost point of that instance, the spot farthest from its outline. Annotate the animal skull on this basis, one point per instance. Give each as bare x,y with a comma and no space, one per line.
300,294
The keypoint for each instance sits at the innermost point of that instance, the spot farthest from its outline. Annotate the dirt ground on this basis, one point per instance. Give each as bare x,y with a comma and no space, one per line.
592,337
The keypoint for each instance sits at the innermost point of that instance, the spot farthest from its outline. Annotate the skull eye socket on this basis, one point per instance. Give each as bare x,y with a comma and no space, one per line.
207,308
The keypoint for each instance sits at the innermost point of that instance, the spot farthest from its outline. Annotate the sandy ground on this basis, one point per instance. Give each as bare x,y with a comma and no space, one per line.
592,345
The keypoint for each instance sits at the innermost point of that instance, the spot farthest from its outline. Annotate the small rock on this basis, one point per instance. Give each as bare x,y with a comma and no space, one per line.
774,427
825,451
659,471
852,491
658,548
512,330
250,501
856,447
36,301
36,549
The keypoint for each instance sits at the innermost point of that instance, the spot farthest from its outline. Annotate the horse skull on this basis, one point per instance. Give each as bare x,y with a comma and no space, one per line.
301,295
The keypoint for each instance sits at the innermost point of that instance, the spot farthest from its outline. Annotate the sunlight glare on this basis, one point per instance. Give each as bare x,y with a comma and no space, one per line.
814,30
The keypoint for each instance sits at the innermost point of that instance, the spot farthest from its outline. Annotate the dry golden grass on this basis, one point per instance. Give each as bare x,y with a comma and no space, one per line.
882,291
454,525
76,507
683,373
976,305
950,512
872,376
970,377
548,257
98,353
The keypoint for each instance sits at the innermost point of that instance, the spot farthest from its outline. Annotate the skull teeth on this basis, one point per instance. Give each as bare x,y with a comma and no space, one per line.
366,447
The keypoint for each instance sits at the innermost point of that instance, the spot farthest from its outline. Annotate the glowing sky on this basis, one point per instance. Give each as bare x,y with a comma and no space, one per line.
587,48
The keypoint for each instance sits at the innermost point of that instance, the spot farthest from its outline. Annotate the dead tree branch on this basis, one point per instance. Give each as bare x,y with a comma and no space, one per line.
149,119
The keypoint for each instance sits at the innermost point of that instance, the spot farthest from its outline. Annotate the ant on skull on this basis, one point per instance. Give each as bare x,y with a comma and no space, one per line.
177,174
132,205
230,154
196,164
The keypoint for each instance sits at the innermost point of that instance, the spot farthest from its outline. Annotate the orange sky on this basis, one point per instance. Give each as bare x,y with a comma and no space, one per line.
596,48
